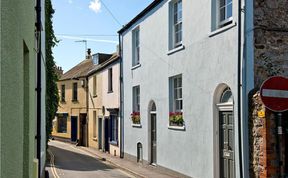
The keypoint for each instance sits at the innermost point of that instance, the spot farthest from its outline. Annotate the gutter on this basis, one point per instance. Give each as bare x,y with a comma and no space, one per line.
121,98
240,87
38,26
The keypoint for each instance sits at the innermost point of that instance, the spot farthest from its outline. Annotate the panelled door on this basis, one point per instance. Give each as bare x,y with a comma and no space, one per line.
74,128
100,133
226,140
153,139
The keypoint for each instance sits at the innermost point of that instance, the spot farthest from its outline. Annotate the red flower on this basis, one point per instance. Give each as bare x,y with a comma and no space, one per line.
135,113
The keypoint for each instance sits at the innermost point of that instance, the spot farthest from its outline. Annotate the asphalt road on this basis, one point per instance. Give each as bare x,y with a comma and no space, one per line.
67,161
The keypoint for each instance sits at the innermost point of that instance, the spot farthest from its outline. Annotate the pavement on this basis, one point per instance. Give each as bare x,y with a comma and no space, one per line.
131,168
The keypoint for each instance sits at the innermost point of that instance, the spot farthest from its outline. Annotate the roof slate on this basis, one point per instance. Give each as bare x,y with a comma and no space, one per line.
86,68
80,70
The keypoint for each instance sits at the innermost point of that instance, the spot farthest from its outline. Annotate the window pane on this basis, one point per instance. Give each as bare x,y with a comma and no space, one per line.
222,14
177,106
229,10
222,3
179,82
175,94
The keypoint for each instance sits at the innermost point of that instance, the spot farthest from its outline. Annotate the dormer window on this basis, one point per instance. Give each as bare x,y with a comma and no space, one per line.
95,59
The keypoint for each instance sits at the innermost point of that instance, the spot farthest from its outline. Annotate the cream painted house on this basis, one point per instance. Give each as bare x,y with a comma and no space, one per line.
104,102
71,119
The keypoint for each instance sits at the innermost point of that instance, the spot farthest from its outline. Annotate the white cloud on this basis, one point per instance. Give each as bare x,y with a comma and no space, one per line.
95,6
70,1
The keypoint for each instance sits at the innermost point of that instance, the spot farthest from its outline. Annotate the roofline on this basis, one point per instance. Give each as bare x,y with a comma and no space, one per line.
75,78
140,15
92,72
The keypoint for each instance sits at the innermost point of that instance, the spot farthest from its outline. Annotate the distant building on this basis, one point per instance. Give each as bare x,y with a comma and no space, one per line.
71,118
23,150
104,103
59,71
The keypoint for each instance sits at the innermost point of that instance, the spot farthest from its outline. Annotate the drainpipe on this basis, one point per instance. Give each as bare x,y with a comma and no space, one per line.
121,99
240,94
87,110
38,88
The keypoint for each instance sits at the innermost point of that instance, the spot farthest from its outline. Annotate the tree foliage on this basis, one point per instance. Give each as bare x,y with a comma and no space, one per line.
52,97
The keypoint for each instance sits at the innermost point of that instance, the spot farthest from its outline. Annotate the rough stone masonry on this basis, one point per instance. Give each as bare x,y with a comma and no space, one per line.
270,59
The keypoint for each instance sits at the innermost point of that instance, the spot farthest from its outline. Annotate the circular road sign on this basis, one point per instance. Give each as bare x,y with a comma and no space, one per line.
274,93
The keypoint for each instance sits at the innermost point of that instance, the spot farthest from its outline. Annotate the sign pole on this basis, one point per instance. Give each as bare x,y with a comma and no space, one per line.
281,144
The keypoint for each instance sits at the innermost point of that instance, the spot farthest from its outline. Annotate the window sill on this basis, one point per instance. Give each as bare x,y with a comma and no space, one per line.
75,101
174,50
115,143
95,139
136,66
177,127
110,92
63,102
137,125
223,29
94,96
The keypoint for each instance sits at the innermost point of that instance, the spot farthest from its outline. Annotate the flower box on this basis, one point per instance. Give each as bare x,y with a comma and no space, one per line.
176,119
135,117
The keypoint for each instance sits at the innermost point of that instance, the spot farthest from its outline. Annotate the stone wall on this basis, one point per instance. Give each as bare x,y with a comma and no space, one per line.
270,38
263,140
270,59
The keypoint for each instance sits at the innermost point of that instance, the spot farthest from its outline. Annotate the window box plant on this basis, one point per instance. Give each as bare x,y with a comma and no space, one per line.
135,117
176,119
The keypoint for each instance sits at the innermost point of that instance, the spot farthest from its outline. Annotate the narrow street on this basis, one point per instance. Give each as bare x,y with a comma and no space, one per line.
68,161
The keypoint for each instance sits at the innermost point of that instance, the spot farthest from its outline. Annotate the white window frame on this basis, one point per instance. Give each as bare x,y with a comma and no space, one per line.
176,20
136,46
136,98
114,129
226,19
178,90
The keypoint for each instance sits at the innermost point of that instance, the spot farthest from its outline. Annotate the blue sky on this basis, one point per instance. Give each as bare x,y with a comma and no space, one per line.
76,20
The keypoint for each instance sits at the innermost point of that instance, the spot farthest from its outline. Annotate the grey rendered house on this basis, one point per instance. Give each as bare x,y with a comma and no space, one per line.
184,84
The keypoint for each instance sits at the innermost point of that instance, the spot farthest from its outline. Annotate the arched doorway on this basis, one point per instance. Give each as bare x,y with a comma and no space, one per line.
225,133
152,133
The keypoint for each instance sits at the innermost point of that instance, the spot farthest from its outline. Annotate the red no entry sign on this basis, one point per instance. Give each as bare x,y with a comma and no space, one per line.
274,93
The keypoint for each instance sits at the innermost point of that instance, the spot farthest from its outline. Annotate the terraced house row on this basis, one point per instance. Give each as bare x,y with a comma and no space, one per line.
181,92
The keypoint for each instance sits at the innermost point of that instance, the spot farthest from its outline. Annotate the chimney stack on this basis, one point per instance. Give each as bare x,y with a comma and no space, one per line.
88,56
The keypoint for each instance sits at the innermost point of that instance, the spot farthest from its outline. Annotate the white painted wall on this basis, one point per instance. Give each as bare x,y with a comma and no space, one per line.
205,63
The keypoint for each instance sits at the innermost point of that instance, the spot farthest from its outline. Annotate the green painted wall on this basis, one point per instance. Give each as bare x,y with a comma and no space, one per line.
17,89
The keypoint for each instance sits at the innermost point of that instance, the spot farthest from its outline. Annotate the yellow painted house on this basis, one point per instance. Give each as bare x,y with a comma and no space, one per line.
104,102
70,122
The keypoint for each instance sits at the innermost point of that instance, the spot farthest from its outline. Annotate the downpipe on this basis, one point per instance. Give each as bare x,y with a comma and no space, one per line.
38,25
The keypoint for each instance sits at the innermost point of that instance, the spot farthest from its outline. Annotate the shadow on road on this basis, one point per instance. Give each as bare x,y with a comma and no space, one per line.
69,160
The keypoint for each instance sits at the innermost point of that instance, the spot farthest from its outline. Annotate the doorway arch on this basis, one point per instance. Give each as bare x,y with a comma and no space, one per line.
152,133
224,132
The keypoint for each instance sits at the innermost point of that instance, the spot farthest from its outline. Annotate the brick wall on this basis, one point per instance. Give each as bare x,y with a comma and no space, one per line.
263,141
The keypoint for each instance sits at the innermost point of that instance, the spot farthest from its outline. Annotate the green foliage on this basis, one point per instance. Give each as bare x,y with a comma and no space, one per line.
52,96
176,118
